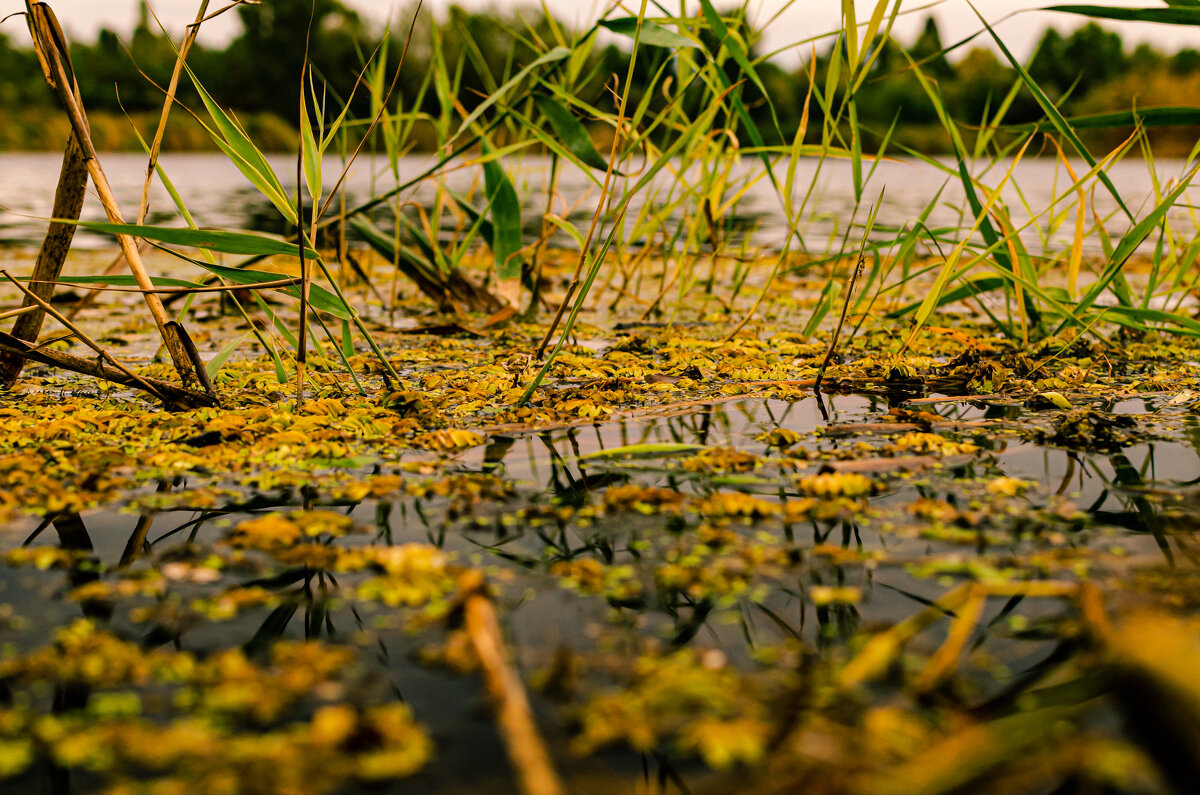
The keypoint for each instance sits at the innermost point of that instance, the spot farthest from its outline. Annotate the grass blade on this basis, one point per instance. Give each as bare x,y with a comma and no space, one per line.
1166,16
1056,118
652,32
207,239
505,209
570,131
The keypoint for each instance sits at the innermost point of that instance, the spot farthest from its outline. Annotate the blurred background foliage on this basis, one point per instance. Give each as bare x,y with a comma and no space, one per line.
1085,71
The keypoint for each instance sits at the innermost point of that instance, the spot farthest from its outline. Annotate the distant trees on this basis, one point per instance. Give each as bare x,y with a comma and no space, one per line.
1088,57
261,67
1086,70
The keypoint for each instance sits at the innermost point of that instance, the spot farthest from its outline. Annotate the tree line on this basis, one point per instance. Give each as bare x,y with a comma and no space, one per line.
1086,71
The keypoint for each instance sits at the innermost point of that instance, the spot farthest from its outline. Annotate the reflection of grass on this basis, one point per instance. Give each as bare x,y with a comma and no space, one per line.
737,591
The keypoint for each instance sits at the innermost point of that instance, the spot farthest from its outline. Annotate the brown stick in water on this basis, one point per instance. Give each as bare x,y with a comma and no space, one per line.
174,396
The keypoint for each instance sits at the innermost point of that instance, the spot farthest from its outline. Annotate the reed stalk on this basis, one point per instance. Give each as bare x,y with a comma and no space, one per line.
51,48
68,202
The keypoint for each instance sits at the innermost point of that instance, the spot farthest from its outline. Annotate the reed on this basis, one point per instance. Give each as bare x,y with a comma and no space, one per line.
690,129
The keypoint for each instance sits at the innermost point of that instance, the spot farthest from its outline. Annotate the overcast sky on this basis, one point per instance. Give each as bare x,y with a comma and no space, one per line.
799,19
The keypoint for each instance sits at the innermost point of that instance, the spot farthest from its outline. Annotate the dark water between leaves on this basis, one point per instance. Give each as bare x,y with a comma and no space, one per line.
1138,500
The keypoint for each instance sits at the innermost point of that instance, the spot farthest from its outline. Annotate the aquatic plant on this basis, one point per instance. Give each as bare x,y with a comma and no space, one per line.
761,549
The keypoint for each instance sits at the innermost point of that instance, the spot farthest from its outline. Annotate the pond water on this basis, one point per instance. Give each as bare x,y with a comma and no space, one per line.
219,196
771,532
1135,497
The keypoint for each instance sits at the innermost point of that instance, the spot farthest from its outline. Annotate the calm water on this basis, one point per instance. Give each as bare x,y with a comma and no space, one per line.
541,617
219,196
548,468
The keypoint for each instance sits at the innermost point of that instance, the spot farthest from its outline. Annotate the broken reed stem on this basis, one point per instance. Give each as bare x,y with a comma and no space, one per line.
525,746
25,310
84,338
50,46
174,396
68,202
842,320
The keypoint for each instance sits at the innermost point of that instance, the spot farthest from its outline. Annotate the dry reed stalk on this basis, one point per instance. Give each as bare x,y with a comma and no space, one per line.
78,333
172,87
25,310
172,395
156,144
50,45
524,743
68,202
837,332
606,193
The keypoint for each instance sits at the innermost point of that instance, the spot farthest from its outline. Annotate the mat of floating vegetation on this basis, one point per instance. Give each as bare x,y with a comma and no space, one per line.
968,568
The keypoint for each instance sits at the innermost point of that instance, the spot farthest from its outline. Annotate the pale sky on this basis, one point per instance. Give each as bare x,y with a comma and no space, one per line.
798,20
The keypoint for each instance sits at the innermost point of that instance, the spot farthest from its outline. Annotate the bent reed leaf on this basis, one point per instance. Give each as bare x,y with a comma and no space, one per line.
207,239
652,33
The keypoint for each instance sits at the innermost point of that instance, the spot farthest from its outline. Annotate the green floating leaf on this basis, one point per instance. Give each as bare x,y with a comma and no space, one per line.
655,450
570,131
505,210
652,32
